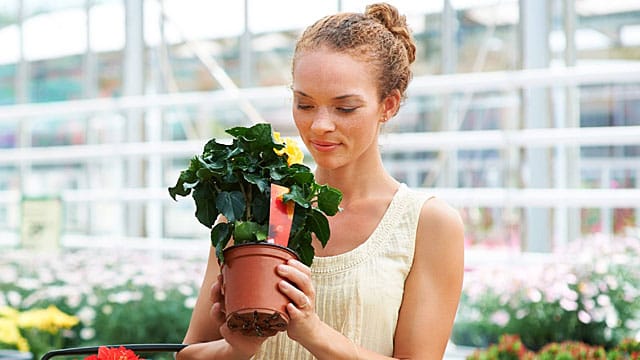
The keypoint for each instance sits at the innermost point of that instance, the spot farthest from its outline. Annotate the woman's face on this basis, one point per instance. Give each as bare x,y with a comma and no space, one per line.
336,107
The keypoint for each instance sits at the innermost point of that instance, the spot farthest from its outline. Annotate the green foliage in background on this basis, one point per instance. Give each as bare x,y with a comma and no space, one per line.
117,297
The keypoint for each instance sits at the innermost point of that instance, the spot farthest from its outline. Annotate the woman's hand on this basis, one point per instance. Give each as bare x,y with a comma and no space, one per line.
241,346
217,311
298,287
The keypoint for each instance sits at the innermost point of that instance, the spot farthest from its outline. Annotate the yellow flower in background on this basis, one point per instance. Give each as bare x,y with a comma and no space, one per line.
8,312
10,334
291,148
50,319
35,330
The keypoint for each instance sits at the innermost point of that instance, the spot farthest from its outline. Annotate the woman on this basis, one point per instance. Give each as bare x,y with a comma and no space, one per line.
387,284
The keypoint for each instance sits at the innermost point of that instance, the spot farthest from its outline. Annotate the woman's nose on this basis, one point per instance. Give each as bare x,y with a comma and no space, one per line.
322,122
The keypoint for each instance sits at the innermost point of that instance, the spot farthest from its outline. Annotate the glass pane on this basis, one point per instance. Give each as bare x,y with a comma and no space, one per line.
109,69
10,40
56,79
107,26
487,37
58,132
190,20
8,12
8,134
608,31
267,16
34,7
7,84
55,34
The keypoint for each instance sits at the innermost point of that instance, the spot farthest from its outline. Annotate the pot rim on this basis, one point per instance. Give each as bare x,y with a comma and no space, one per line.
263,244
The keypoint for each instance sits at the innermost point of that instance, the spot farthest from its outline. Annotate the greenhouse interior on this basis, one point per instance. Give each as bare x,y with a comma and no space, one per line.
524,115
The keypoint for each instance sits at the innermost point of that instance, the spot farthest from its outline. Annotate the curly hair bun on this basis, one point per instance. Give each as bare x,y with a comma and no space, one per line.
389,16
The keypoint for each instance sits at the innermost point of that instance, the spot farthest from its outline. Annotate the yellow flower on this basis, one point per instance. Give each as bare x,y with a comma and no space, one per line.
10,334
50,319
291,148
9,312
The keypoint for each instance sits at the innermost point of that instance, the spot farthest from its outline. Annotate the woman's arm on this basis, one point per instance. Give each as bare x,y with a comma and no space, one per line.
202,326
433,287
208,335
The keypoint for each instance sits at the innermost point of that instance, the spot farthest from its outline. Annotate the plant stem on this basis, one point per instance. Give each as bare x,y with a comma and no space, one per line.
247,199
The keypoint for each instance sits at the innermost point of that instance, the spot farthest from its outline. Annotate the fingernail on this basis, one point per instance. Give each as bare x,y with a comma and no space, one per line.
281,269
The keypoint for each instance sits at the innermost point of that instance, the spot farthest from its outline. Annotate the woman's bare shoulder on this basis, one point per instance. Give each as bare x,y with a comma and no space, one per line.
440,229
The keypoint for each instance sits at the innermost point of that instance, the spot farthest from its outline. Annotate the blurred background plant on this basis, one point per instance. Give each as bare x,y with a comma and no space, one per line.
585,292
115,297
36,331
510,347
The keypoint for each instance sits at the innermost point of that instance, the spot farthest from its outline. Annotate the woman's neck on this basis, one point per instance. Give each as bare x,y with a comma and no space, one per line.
357,182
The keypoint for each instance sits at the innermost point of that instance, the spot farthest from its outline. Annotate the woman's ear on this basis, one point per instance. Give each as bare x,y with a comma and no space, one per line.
391,104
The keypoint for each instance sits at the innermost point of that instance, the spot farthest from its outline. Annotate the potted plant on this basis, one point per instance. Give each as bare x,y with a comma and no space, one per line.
270,202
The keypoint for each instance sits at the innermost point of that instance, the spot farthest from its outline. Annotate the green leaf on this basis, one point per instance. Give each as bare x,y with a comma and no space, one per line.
204,174
319,225
306,253
260,208
233,178
255,138
238,131
329,200
186,181
231,204
258,180
206,211
303,177
296,193
179,189
301,244
245,231
230,176
220,236
221,233
214,162
262,233
213,145
299,218
278,173
235,152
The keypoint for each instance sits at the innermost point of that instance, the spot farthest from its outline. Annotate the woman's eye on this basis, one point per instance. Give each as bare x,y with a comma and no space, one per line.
304,107
346,109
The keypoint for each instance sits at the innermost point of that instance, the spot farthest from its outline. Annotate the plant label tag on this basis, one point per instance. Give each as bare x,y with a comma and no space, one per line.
280,216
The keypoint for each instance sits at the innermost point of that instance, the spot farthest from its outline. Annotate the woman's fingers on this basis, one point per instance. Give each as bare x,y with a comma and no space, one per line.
298,274
300,267
216,293
298,298
297,286
217,311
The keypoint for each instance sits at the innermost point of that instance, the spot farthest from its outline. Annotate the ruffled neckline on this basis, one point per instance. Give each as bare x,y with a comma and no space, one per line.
370,247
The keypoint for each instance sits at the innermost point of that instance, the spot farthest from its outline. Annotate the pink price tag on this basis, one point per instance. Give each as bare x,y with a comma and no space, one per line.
280,216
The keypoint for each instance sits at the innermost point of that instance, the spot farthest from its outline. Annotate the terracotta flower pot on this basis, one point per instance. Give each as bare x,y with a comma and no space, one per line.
253,302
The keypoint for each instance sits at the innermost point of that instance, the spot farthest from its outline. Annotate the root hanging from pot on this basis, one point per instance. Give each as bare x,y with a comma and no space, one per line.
257,323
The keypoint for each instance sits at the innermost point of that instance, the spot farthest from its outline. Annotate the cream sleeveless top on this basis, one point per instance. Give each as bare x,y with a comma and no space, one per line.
359,293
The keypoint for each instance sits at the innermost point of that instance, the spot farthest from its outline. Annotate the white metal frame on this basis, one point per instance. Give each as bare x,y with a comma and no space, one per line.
437,141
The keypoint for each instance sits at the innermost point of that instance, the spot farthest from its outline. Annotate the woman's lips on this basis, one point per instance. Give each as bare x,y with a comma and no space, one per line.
323,146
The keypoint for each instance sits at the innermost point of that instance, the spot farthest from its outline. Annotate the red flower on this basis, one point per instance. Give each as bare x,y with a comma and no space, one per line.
112,353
